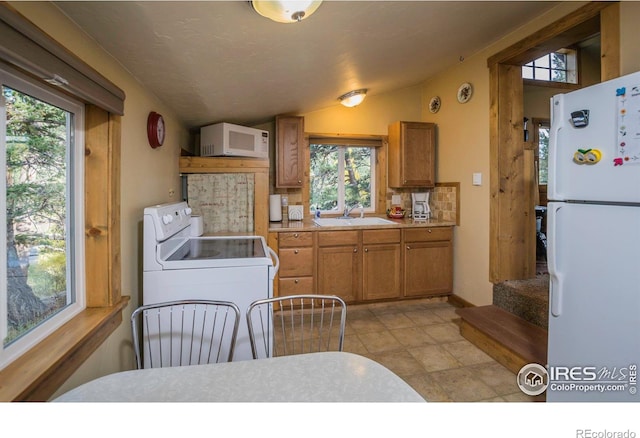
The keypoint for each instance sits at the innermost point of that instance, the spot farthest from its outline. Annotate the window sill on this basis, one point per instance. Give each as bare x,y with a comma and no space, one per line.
36,375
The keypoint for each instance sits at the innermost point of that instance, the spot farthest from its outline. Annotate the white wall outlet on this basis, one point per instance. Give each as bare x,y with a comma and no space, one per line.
477,179
396,199
172,193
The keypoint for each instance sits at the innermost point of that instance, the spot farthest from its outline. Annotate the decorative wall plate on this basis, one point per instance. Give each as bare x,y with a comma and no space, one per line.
434,104
464,92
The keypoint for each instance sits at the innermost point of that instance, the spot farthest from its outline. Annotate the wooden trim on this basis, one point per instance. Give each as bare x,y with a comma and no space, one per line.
458,301
37,374
222,165
610,42
260,169
102,207
577,26
512,224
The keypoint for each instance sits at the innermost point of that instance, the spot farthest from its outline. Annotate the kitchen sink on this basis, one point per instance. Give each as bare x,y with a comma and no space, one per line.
351,222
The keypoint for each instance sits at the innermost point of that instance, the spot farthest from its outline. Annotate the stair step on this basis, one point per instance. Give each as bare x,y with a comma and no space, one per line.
528,299
507,338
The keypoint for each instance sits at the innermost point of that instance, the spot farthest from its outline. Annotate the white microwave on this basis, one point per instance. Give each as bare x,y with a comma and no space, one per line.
228,140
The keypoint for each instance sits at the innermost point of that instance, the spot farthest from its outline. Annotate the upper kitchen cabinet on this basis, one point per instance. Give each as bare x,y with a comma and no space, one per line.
412,154
289,151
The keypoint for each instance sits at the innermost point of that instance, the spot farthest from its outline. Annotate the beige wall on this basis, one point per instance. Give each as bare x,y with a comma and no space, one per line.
463,146
371,117
147,174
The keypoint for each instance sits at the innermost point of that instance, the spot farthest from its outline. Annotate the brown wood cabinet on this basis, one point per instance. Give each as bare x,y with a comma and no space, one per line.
428,261
412,152
289,151
339,264
367,264
297,263
381,264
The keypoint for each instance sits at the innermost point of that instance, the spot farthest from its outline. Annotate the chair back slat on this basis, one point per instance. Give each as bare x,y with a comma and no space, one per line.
185,332
296,324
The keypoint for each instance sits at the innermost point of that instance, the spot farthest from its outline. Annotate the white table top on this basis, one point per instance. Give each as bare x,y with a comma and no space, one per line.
314,377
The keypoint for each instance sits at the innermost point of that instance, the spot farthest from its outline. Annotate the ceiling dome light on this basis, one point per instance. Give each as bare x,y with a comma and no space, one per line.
285,11
353,98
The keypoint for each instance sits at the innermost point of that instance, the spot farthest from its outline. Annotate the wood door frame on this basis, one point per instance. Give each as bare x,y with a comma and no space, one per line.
512,216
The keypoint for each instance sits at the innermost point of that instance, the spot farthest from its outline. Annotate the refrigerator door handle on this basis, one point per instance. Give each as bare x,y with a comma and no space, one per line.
555,278
555,295
557,123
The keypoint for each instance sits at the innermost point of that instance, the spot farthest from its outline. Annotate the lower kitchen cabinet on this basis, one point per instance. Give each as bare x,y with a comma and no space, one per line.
381,264
367,265
339,264
428,261
297,263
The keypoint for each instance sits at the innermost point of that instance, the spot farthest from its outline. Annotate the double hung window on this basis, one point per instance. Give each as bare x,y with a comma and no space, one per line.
41,214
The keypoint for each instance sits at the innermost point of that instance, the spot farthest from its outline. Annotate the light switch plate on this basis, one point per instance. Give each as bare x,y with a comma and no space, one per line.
477,179
396,199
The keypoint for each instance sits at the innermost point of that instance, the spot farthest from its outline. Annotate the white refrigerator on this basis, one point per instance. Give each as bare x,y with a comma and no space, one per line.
593,226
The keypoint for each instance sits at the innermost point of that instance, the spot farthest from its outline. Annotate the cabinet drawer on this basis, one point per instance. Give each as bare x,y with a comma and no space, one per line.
380,236
295,286
291,240
337,238
428,234
295,262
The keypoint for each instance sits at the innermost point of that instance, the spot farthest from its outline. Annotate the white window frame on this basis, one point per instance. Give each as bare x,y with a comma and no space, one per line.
75,219
341,190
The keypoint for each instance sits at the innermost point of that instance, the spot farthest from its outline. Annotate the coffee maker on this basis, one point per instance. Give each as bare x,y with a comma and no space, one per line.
420,209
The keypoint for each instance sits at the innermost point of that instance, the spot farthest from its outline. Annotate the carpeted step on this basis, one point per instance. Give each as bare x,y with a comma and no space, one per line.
507,338
528,299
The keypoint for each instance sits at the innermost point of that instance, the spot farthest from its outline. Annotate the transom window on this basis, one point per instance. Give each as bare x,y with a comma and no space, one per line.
560,66
342,176
41,222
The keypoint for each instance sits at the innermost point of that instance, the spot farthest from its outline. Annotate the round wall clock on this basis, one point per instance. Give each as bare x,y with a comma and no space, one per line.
155,129
464,92
434,104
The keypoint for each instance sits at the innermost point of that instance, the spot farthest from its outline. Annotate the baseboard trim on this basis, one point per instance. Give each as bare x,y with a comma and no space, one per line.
458,301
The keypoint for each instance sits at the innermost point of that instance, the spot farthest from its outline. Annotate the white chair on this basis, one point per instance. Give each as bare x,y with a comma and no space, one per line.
186,332
296,324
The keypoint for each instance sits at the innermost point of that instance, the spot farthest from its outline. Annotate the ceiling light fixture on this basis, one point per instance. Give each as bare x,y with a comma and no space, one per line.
285,11
353,98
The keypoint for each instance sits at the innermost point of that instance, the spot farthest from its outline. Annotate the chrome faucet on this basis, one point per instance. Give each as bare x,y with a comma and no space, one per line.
347,211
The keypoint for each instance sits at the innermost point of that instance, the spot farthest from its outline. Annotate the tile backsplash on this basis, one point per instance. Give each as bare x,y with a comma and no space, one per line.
443,201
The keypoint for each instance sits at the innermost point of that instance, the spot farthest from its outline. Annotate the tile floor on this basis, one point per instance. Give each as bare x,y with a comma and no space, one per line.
420,341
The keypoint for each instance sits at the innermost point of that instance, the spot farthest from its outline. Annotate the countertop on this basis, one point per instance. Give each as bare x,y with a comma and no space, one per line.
307,224
313,377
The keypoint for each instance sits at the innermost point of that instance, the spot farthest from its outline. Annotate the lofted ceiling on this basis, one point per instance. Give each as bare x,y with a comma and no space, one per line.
214,61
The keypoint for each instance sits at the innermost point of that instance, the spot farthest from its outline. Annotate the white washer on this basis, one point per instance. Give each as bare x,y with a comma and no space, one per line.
178,266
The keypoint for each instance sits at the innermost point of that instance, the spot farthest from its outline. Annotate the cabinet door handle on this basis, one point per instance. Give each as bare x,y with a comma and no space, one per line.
408,247
366,250
295,251
299,182
296,281
429,230
295,235
355,249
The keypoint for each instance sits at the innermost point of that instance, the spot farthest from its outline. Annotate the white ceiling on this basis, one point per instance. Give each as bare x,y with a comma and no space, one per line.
214,61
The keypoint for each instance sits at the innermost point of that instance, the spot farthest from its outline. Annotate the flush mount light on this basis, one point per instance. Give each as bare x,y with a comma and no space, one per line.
353,98
285,11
